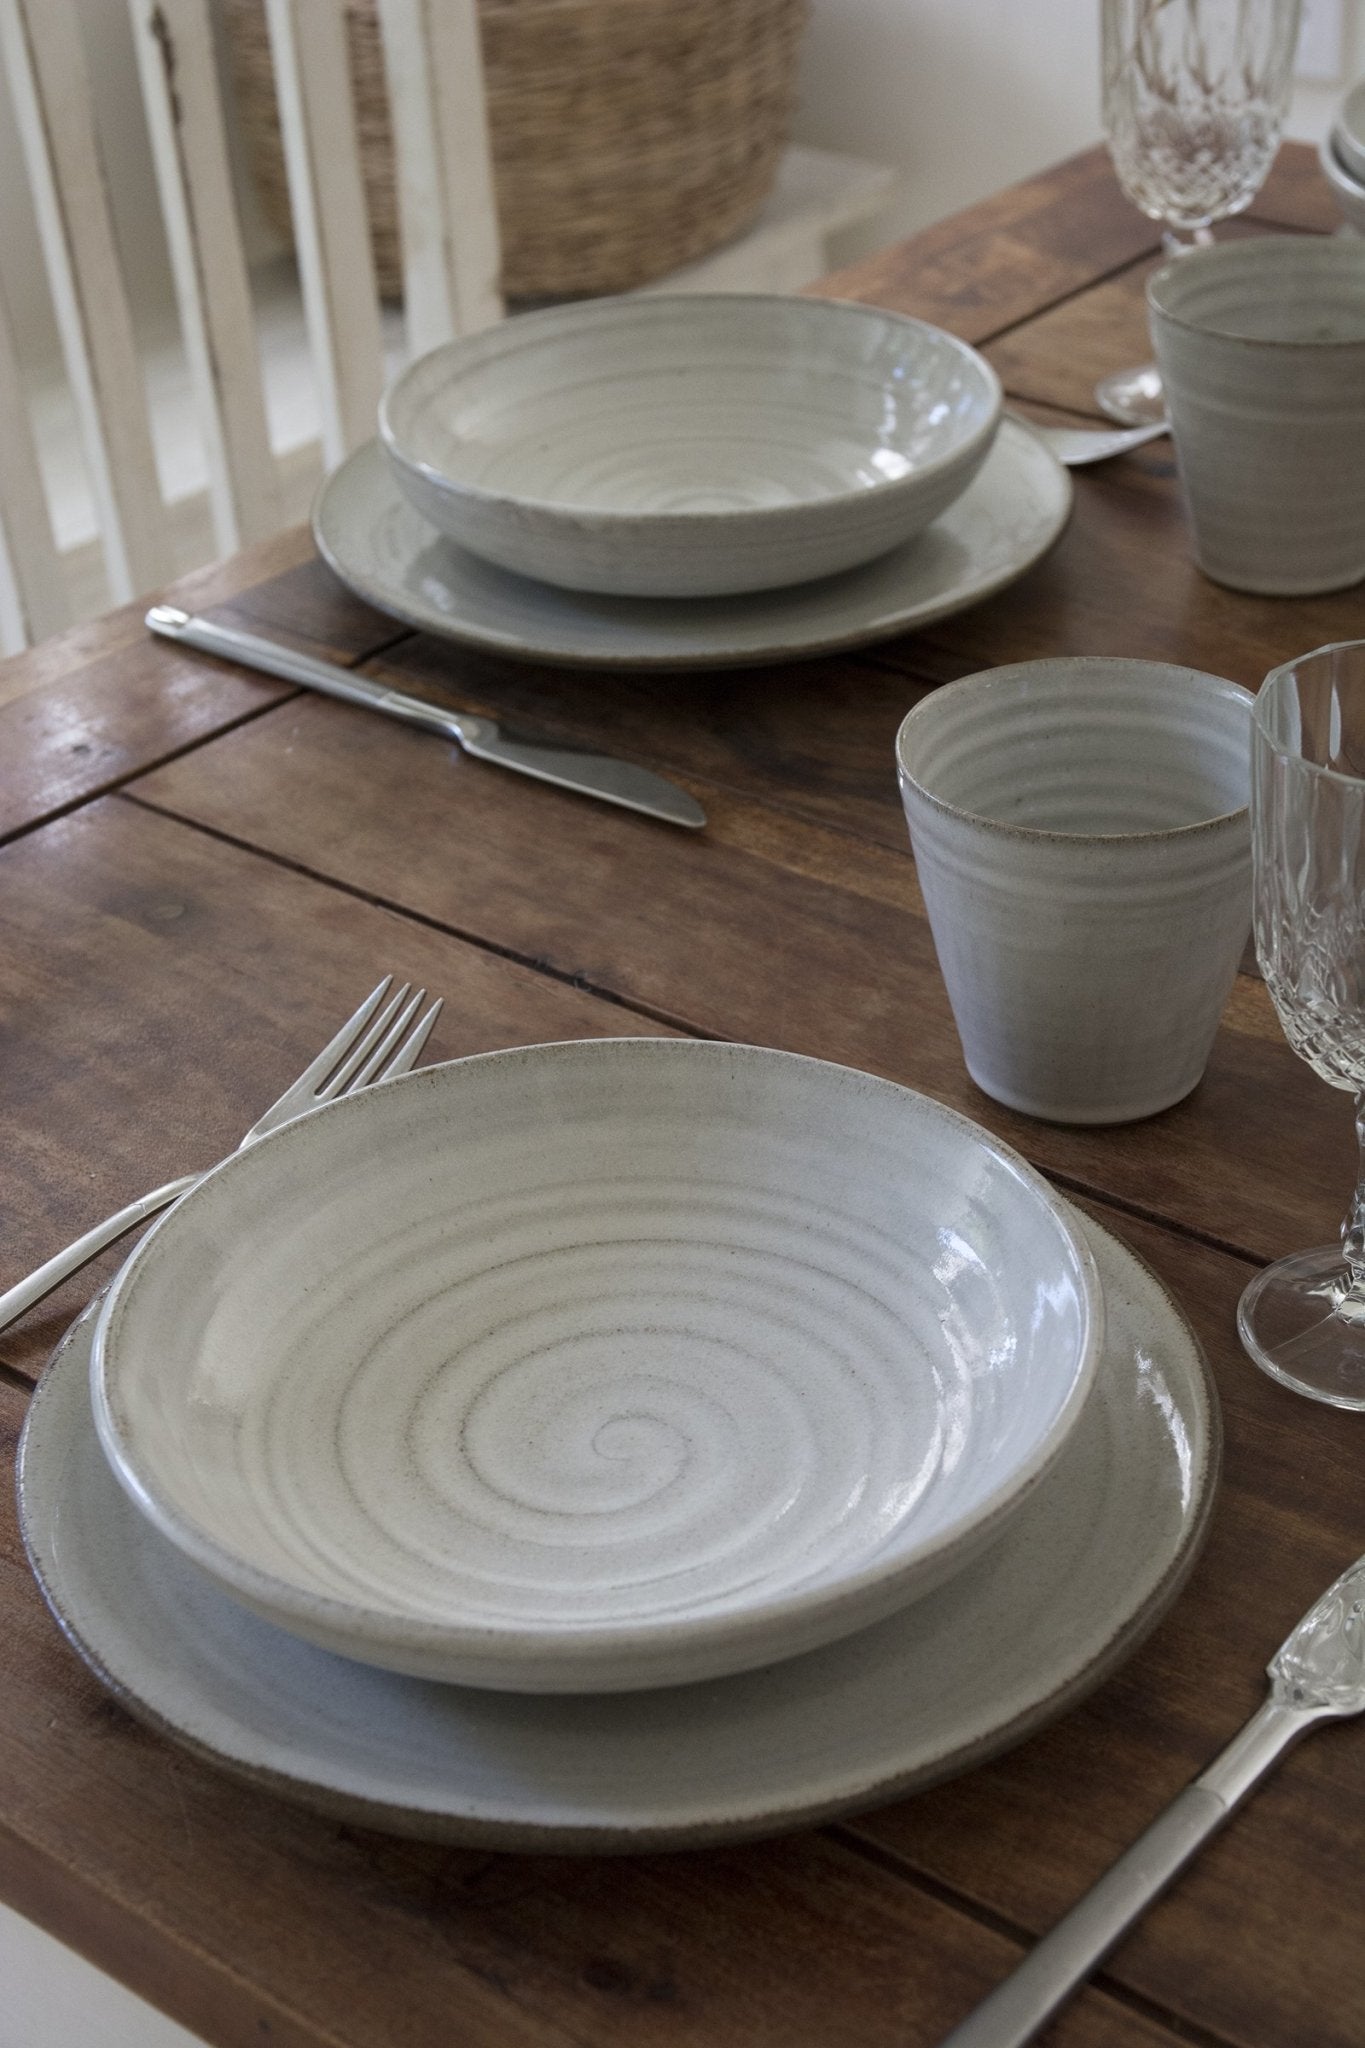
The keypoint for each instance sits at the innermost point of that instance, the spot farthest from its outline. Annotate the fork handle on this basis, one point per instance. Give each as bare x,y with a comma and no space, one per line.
17,1300
1058,1964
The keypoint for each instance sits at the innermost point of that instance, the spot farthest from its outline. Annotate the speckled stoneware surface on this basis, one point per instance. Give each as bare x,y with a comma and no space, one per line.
690,446
389,555
1096,1556
600,1365
1261,347
1082,840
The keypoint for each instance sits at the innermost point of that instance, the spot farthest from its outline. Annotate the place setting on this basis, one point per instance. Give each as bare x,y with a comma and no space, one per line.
687,481
708,1440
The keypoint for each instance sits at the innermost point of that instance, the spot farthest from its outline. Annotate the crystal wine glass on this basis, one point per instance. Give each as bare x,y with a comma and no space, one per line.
1303,1319
1194,95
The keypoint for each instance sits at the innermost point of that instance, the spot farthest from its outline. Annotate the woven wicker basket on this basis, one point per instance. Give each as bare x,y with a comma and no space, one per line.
629,136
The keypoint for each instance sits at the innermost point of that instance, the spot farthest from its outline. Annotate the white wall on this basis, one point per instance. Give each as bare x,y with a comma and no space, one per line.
963,96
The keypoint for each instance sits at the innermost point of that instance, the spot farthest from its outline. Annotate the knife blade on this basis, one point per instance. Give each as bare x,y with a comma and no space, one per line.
1317,1674
587,774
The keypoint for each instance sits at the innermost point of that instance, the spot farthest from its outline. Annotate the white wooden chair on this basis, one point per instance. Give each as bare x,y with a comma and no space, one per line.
448,229
450,253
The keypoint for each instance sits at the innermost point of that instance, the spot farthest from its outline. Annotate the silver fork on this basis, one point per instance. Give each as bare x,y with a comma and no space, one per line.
378,1042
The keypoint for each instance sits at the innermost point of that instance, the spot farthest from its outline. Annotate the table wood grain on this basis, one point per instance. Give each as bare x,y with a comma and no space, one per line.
202,871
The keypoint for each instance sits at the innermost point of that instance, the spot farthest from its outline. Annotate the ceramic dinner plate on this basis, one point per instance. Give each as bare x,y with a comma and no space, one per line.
1093,1559
388,554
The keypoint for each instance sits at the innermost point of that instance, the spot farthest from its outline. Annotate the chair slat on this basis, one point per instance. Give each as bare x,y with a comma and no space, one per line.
175,52
327,201
33,600
48,80
447,206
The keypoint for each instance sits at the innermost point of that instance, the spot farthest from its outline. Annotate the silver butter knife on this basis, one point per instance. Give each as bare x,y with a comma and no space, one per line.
599,775
1317,1675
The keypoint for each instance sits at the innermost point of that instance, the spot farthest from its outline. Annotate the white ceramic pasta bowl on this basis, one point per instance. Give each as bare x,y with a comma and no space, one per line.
599,1366
690,446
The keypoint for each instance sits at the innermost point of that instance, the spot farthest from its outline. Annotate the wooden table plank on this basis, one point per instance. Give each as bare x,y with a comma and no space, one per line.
816,737
161,989
1296,195
1276,1902
764,927
1058,358
1004,260
95,704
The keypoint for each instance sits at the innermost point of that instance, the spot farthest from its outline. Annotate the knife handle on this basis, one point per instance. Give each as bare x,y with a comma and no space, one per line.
1012,2014
292,666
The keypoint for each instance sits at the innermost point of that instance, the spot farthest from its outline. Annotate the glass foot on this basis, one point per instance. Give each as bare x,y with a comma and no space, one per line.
1134,397
1291,1324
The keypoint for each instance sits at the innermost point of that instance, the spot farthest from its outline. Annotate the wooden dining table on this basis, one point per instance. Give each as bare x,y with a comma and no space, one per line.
202,870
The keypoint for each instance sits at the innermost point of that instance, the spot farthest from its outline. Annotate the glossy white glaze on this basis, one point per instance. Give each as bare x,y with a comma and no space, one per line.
600,1365
1081,835
1261,347
388,554
1093,1559
690,446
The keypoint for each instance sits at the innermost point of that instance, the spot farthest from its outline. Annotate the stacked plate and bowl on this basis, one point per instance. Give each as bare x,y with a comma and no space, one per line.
1342,156
616,1444
690,481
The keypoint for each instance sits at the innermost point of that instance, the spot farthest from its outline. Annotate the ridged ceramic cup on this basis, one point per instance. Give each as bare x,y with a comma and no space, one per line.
1261,346
1081,834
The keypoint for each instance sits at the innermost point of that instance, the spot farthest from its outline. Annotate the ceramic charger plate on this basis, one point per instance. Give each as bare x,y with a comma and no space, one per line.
373,539
600,1365
1096,1556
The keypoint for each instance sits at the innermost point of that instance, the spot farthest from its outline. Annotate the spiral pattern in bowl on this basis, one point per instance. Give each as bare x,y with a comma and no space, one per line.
598,1366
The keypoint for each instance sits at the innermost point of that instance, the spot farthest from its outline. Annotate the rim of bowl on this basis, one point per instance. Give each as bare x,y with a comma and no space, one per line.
1223,253
1041,834
600,1640
1259,719
594,310
1352,103
1337,171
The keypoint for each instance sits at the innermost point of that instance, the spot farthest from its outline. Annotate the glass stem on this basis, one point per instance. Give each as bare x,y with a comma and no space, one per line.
1175,243
1352,1303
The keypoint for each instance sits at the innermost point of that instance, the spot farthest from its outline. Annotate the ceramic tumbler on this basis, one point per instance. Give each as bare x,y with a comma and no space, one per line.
1261,347
1081,834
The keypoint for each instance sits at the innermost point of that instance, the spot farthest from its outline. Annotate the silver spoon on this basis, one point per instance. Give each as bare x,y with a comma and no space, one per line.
1318,1673
1077,446
1133,396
